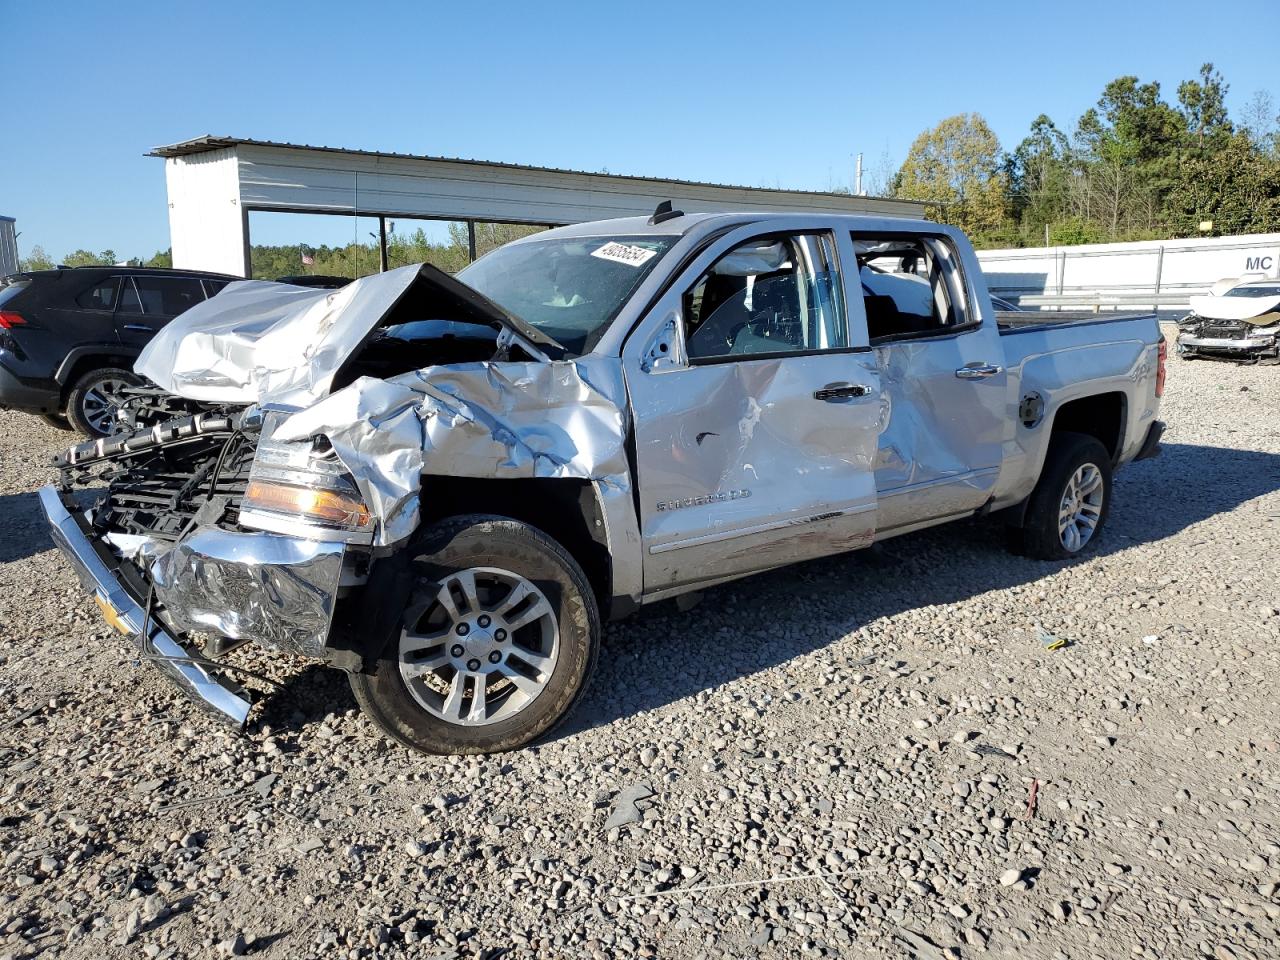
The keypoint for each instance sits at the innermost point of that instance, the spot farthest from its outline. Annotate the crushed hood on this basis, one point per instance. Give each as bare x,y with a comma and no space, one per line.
259,340
1261,311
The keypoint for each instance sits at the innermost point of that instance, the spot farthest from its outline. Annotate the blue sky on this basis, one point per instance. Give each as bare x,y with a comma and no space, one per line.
761,94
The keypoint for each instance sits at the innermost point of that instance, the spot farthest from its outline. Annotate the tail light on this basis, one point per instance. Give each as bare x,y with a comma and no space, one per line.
1161,358
9,320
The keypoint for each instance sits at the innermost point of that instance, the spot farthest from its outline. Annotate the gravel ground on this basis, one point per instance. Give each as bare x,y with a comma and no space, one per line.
874,755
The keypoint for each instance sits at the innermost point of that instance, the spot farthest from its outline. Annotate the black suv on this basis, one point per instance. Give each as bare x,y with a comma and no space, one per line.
69,337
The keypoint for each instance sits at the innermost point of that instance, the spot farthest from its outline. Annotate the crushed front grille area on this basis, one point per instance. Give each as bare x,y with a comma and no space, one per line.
1225,329
161,479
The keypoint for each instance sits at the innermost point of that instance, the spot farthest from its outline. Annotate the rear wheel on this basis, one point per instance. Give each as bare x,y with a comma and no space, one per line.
496,642
93,405
1069,506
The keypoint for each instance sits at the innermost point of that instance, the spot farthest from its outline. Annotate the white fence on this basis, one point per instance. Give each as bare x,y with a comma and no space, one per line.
1160,274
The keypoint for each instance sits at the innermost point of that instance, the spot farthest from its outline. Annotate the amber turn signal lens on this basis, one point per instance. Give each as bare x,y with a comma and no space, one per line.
111,615
326,506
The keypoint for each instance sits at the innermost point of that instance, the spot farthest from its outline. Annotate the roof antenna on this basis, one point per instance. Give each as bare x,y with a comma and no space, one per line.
663,212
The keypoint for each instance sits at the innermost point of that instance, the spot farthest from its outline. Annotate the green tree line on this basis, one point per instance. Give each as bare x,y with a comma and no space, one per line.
1133,167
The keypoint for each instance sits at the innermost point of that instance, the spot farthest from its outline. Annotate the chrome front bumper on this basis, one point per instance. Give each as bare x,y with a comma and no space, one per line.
274,590
221,697
1188,343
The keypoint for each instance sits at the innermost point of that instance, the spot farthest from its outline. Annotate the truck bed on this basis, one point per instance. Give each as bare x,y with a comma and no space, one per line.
1021,321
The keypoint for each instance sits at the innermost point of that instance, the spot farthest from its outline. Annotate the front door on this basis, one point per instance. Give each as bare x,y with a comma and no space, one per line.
755,413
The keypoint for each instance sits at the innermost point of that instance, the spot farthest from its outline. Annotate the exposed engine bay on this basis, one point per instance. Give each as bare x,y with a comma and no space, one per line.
259,342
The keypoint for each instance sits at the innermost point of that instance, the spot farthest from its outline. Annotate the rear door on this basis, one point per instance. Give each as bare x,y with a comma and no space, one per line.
77,314
945,409
755,410
148,302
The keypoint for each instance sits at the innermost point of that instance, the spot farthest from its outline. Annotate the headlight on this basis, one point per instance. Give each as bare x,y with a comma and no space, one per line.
325,506
303,489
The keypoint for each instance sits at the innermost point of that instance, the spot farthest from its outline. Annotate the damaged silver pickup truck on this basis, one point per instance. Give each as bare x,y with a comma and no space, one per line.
441,486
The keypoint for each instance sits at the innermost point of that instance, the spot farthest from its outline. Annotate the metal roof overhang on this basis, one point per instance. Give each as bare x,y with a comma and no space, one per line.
287,176
207,173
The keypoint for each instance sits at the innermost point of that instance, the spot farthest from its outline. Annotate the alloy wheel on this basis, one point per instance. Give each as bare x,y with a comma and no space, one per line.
479,646
101,404
1081,507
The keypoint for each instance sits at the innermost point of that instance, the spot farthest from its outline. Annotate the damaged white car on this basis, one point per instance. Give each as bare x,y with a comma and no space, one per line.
1237,320
441,486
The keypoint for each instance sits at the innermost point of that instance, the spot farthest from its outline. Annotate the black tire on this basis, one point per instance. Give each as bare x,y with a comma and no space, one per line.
455,545
1039,536
57,421
84,402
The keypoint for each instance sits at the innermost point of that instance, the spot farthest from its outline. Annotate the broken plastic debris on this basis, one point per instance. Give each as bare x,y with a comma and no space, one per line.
626,810
1049,641
986,750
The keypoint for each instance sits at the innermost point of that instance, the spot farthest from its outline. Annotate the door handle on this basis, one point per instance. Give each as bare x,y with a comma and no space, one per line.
978,371
834,392
139,328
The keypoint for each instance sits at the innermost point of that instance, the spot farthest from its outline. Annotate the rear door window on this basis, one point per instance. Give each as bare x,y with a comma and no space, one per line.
129,302
160,296
100,296
911,286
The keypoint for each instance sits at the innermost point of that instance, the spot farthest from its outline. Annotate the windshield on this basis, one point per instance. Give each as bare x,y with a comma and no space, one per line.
1254,292
568,288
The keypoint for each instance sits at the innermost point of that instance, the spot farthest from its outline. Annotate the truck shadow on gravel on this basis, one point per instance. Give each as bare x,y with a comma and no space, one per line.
742,628
662,655
23,529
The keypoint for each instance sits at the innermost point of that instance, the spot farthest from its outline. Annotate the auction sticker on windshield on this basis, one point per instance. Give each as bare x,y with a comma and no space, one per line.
624,253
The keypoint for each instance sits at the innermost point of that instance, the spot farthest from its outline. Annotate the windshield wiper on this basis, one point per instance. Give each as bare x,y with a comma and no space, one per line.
532,334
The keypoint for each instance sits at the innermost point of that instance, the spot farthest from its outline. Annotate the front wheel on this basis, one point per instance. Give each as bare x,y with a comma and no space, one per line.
496,643
1069,506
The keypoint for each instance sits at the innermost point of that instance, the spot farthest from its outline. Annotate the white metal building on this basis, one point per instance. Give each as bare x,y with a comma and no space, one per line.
1160,273
214,183
8,247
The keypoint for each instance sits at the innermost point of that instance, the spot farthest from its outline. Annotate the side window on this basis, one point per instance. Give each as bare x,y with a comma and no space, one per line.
100,296
910,286
161,296
770,295
129,297
213,287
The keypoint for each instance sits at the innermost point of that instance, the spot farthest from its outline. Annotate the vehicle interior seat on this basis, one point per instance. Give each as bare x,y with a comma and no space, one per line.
883,318
722,309
774,323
